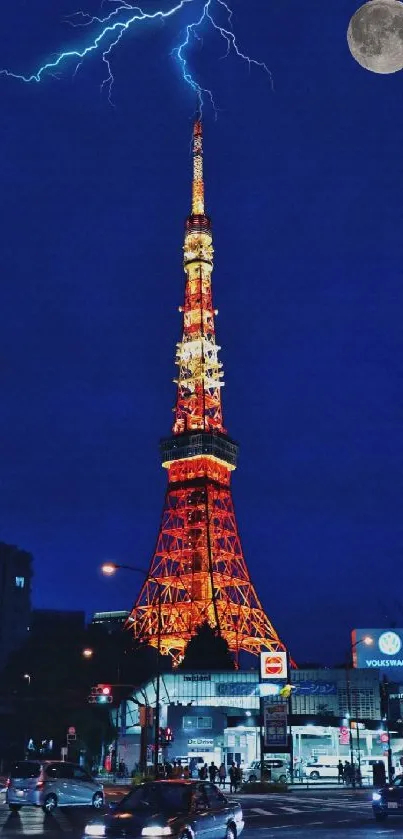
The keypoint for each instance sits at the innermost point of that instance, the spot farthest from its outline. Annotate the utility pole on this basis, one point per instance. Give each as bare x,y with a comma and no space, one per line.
289,719
367,640
110,568
348,690
157,689
117,739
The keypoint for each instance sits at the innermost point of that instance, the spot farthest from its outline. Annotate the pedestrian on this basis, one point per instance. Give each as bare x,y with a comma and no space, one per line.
222,774
340,773
168,769
212,771
186,773
232,778
358,777
238,776
347,773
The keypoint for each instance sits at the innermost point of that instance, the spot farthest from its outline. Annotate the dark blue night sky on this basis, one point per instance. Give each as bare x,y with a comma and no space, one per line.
304,185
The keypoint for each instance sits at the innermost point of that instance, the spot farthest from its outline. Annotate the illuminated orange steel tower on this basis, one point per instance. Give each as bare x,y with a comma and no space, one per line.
198,571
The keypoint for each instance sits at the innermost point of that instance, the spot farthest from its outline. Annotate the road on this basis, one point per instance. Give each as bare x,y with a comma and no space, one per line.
332,814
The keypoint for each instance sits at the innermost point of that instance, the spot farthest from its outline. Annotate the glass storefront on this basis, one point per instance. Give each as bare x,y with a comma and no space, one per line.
215,716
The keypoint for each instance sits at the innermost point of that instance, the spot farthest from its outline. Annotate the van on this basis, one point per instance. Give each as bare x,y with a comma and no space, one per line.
51,783
277,770
316,769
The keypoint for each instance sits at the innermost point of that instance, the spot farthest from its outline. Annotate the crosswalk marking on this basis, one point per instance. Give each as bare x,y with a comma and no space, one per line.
320,803
261,812
30,823
291,810
33,822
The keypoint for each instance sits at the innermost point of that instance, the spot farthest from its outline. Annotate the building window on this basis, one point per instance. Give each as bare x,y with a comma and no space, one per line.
20,582
204,722
188,723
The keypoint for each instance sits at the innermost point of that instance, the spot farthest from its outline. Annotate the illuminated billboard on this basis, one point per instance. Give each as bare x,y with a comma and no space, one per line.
273,665
377,648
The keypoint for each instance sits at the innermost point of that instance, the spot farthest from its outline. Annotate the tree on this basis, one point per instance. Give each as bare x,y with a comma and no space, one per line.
207,650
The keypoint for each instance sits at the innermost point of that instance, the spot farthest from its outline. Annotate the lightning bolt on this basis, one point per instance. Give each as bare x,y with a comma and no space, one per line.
106,32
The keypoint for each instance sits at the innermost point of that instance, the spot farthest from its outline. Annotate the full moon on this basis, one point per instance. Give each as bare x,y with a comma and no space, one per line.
375,36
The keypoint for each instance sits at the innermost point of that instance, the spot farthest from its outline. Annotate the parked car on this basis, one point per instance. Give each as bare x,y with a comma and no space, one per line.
179,809
388,801
50,784
316,769
277,770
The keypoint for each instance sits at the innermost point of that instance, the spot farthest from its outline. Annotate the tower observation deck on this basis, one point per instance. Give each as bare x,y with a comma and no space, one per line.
198,568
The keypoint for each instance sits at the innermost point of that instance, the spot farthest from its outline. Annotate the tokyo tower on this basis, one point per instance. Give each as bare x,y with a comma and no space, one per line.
198,572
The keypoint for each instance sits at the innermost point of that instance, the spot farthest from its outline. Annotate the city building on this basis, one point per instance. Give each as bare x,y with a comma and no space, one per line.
15,599
110,622
216,716
198,572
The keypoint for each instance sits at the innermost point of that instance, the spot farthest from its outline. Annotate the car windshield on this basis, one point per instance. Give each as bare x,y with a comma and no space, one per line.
166,798
25,769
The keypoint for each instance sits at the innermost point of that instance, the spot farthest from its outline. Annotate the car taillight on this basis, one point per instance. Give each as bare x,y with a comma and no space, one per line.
39,785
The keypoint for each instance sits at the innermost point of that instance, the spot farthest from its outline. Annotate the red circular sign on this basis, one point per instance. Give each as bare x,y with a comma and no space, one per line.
384,738
274,666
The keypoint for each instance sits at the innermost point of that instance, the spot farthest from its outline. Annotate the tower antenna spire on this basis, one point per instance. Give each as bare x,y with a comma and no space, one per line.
197,182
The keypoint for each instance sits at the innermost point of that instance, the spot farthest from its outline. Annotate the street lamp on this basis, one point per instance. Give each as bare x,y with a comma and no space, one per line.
110,568
28,677
87,653
367,640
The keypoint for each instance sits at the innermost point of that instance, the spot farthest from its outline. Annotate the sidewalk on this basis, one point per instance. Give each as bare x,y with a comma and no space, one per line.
303,789
323,785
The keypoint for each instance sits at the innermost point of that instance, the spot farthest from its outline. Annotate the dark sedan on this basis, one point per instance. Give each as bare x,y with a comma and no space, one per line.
388,801
180,809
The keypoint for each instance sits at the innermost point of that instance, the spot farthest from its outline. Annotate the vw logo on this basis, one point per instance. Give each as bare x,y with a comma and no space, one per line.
389,643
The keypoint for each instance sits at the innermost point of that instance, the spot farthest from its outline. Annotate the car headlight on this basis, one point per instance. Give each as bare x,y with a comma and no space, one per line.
376,796
156,830
95,830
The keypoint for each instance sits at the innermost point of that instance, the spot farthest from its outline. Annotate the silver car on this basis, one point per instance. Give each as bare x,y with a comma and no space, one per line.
51,783
275,770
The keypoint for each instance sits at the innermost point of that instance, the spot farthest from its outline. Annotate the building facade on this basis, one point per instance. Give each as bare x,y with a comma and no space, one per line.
110,622
216,716
15,599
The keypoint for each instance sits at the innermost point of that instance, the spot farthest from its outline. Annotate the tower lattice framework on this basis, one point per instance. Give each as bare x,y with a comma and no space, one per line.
198,570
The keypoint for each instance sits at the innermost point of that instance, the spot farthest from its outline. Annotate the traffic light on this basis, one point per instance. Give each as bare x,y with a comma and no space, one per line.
101,695
166,736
